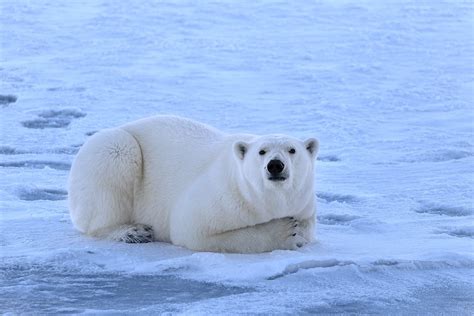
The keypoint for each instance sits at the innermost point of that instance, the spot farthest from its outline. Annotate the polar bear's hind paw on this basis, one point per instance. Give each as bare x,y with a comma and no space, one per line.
137,234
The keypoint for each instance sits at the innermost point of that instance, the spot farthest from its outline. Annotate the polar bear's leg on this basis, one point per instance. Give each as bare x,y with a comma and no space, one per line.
102,182
283,233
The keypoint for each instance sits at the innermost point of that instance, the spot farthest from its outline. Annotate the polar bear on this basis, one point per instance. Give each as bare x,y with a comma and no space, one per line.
171,179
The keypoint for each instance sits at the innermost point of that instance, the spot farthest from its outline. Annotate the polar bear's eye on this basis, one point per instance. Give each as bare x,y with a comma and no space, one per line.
292,151
262,152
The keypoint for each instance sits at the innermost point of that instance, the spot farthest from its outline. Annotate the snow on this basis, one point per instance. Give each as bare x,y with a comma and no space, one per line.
387,88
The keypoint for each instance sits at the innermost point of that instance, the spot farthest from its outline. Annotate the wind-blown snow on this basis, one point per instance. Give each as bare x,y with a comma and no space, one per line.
386,86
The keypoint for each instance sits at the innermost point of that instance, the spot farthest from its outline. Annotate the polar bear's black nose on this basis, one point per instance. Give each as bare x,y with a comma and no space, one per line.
275,167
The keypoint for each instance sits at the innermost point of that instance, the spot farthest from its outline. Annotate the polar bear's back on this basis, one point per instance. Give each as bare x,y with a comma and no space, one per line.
174,147
174,140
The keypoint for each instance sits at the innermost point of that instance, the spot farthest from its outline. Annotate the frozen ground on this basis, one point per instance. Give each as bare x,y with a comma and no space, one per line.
386,86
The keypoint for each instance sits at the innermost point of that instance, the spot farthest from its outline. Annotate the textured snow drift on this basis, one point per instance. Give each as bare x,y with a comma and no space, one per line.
386,87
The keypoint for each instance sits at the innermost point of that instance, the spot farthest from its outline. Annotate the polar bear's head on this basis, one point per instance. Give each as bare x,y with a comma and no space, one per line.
276,162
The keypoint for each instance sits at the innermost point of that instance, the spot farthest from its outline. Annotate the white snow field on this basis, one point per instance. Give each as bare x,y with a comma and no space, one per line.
386,86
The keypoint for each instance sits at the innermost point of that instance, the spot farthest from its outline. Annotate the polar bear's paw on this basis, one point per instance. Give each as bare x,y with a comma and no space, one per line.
287,233
296,234
136,234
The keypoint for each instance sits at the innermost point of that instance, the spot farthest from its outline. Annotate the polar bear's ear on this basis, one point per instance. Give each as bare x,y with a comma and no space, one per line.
312,146
240,149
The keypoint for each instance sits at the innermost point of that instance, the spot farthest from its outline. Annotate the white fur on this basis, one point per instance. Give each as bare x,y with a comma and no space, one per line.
195,186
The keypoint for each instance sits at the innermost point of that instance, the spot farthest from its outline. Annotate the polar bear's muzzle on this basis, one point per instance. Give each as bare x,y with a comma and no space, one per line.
275,168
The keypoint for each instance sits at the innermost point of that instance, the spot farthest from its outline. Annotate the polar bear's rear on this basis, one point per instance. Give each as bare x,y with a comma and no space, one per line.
172,179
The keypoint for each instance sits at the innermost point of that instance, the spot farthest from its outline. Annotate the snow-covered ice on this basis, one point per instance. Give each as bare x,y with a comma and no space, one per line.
386,86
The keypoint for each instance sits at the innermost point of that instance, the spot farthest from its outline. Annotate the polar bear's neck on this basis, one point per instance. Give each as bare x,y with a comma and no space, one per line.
266,203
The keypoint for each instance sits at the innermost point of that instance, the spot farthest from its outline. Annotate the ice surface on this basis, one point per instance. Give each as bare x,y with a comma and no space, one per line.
386,86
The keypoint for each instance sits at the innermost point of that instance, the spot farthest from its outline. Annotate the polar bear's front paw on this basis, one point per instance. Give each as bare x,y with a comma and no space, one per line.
294,234
287,233
137,233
